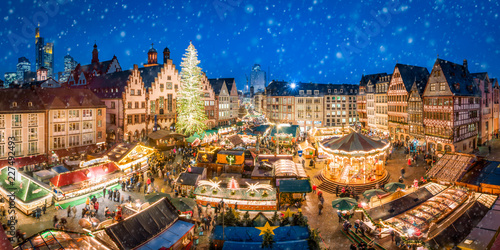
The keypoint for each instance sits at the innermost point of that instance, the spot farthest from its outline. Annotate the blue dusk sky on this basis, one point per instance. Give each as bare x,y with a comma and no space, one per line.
300,41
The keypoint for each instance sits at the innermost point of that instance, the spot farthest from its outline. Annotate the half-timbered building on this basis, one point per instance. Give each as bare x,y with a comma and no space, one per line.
451,109
403,78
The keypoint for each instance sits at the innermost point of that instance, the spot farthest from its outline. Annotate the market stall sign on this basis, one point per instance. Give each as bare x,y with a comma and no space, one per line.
230,159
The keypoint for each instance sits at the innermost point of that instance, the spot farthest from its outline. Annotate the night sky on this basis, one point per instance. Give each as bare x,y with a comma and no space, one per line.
308,41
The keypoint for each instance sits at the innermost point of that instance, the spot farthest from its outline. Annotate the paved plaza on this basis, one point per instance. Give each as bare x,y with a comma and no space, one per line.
327,223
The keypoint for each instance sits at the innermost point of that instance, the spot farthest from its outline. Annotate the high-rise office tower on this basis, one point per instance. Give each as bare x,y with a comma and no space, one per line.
39,49
44,54
23,66
48,59
258,79
69,65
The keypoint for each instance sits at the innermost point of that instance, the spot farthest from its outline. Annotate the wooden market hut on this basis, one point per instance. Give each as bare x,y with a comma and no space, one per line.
165,140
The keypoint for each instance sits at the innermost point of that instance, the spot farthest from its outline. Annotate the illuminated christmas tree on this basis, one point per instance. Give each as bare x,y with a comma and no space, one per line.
190,105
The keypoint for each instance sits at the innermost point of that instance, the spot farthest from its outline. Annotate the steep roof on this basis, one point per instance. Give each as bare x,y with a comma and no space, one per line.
149,74
373,77
55,98
459,78
144,225
413,74
22,97
217,84
110,86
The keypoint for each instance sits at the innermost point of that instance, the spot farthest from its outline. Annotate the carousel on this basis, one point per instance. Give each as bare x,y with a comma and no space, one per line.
355,159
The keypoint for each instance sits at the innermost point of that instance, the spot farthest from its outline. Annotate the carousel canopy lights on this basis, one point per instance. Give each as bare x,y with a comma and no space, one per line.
284,125
254,187
214,185
353,144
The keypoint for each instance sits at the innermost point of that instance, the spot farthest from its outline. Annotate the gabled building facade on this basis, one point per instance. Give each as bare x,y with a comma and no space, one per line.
403,78
226,100
209,100
82,74
451,109
381,117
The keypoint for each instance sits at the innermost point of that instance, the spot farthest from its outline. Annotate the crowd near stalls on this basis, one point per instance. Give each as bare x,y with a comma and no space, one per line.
250,195
29,194
160,225
101,172
165,140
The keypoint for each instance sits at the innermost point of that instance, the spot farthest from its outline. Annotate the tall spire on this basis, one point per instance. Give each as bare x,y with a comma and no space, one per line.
95,55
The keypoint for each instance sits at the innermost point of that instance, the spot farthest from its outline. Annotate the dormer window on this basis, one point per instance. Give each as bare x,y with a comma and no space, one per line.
301,92
14,104
329,91
30,104
335,91
316,92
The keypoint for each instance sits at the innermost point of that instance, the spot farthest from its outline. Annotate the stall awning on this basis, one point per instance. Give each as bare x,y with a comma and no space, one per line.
168,238
164,134
143,226
25,161
80,175
295,186
187,179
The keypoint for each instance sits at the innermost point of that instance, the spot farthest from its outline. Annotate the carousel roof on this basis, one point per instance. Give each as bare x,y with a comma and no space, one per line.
353,142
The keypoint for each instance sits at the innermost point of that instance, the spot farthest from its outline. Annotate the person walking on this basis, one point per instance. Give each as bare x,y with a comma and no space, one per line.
320,207
96,207
314,187
69,211
397,239
55,220
403,172
74,211
104,193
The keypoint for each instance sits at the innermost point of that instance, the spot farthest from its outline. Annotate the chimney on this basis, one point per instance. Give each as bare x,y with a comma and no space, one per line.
465,64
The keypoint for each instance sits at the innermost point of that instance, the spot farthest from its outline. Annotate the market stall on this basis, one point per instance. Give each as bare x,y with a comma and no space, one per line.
451,167
354,159
256,197
60,239
292,191
130,157
418,220
288,169
29,194
232,161
85,180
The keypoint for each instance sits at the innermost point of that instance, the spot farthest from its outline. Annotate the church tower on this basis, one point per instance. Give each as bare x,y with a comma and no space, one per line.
95,55
166,55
